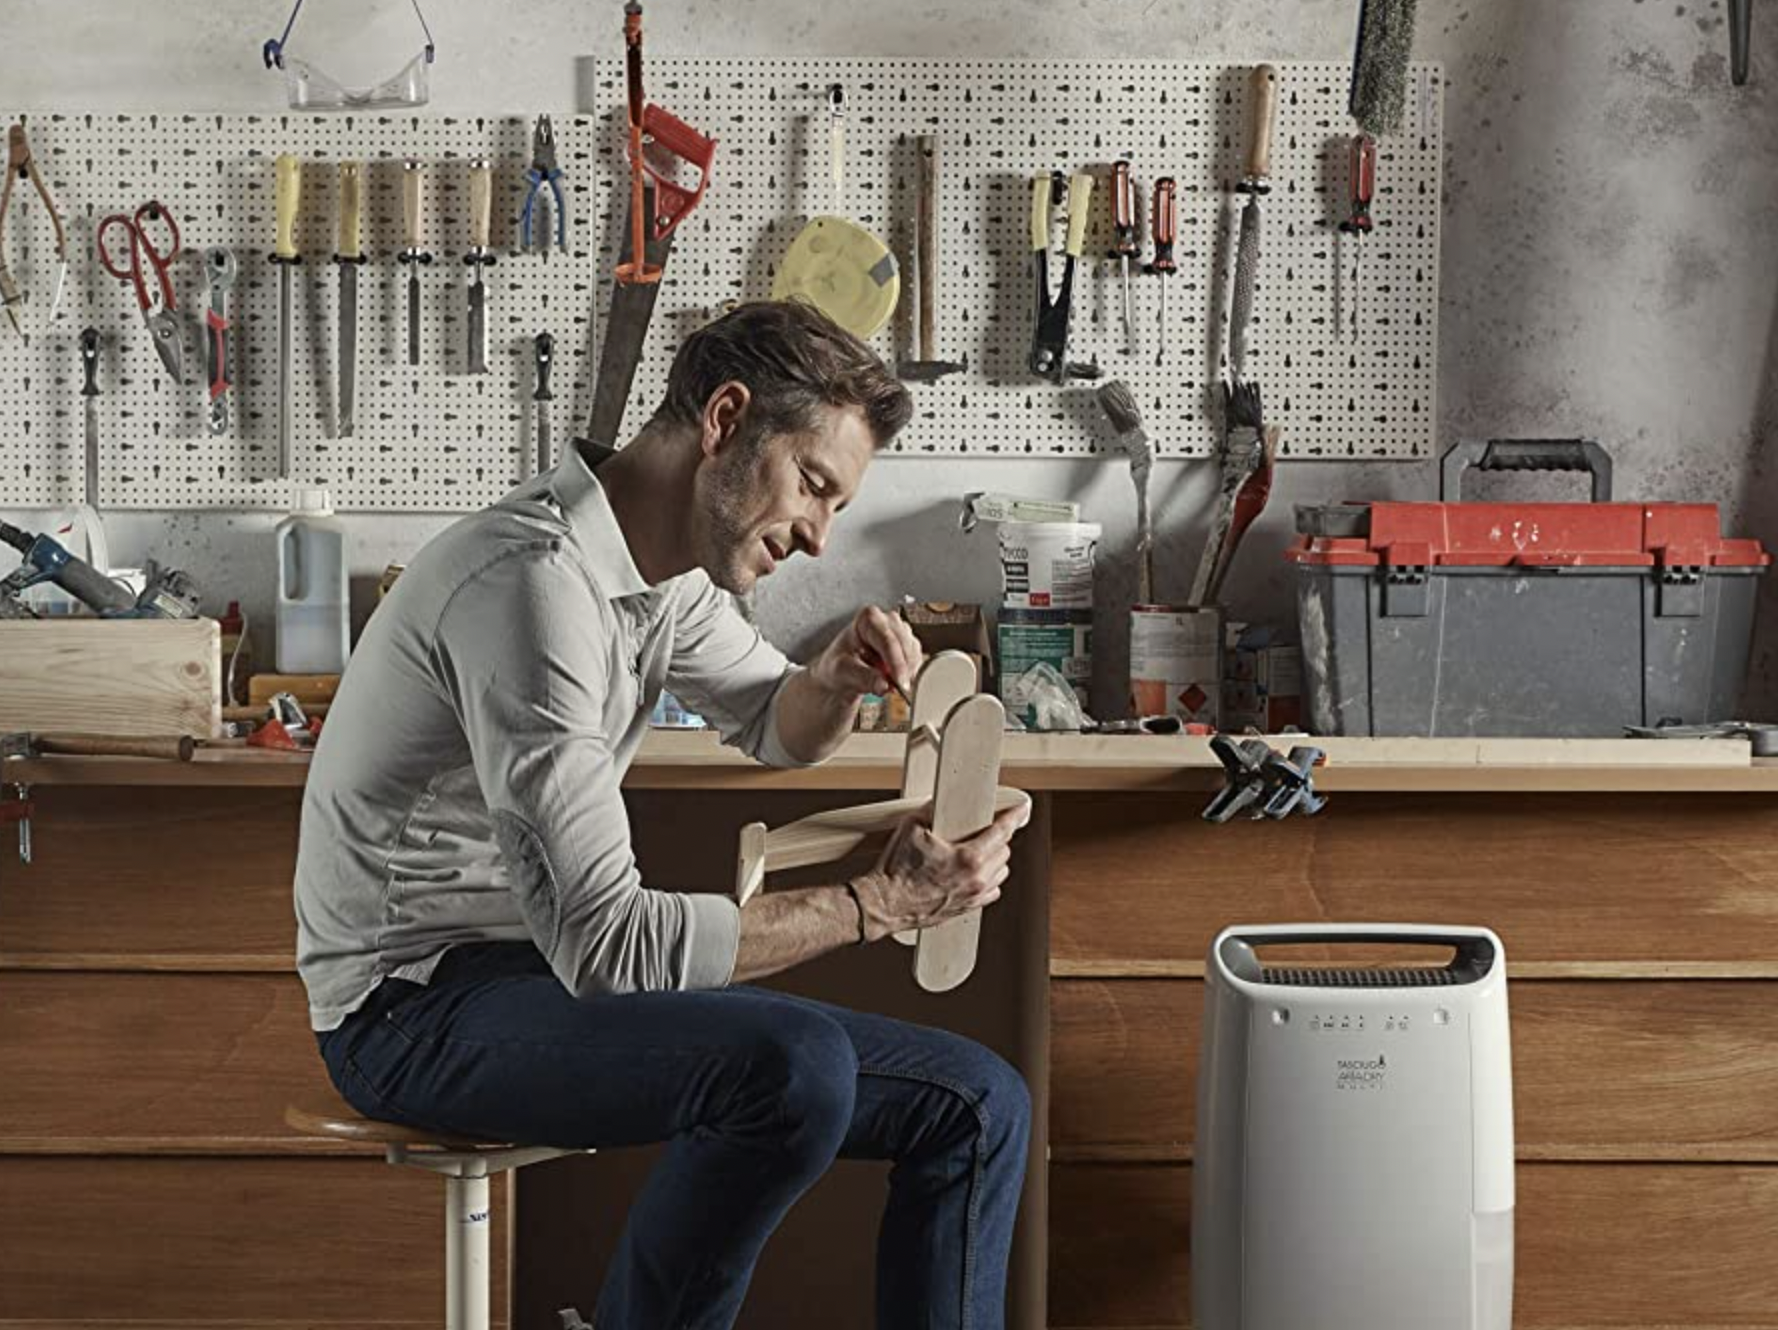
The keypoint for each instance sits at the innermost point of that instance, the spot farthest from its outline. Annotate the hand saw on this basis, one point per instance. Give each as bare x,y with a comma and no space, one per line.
657,206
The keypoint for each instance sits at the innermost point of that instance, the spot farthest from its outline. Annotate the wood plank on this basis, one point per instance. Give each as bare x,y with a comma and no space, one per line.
1598,1245
1572,879
1151,764
159,871
309,1241
112,676
202,1057
1683,1071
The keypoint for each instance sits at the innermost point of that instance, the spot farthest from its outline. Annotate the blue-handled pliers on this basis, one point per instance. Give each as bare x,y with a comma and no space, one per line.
544,170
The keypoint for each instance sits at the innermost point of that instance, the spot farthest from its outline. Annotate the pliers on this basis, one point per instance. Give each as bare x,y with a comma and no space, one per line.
1049,340
20,164
544,170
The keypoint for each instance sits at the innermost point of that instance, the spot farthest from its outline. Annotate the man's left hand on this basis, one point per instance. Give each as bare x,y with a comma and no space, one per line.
875,644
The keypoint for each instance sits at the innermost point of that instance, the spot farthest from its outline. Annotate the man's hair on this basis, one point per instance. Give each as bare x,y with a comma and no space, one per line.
794,360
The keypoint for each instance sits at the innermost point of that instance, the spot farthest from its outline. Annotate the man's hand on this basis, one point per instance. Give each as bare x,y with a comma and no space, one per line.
849,666
922,880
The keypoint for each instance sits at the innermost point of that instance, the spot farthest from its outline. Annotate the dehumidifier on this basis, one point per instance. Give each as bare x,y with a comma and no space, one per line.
1353,1167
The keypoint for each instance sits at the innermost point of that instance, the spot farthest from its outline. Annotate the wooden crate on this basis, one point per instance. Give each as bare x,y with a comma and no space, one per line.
112,676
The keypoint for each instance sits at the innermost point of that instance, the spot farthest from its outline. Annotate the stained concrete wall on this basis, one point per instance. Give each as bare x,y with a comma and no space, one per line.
1610,213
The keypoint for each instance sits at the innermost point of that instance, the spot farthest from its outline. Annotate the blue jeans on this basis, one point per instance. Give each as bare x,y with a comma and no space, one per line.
755,1092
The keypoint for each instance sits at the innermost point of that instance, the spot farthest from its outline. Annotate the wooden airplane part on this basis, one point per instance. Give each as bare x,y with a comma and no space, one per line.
944,681
962,804
952,769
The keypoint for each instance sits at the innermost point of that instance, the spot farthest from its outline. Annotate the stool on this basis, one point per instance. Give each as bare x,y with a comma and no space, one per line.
466,1166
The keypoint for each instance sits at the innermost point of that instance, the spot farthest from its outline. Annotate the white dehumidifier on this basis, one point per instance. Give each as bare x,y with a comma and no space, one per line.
1353,1168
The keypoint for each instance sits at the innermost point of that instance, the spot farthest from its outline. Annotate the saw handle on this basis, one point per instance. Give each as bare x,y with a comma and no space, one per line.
1264,87
289,196
351,210
171,748
672,201
413,175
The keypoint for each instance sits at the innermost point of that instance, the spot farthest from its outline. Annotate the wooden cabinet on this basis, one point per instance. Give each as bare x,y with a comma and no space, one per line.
1643,971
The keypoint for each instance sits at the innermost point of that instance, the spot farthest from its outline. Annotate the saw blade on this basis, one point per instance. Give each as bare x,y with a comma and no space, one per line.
626,328
1246,278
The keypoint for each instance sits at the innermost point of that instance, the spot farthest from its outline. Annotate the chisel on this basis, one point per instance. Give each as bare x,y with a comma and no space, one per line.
412,254
348,258
289,195
545,347
481,200
1257,182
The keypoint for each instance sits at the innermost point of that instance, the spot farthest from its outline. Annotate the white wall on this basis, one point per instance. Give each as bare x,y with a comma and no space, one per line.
1610,210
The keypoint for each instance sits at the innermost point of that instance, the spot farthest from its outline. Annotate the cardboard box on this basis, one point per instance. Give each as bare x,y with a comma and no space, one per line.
946,625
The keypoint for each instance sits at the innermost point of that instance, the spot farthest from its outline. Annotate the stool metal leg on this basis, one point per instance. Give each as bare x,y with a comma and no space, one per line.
466,1253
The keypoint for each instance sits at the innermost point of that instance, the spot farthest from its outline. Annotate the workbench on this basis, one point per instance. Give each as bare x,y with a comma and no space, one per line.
152,1030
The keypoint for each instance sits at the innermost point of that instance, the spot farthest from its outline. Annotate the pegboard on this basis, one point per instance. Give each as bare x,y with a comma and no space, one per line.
434,438
998,124
427,439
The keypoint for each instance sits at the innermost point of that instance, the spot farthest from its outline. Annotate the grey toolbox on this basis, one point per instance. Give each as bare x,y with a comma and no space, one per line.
1543,619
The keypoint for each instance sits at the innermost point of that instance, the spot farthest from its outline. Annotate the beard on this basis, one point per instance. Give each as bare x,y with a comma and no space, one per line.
730,503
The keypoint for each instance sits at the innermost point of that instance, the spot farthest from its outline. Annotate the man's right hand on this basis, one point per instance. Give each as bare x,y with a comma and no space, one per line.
921,880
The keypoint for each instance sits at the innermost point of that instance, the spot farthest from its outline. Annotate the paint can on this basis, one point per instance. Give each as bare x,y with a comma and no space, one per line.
1176,662
1047,565
1061,639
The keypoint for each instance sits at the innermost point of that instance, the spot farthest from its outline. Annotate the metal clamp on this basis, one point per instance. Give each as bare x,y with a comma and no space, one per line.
1264,782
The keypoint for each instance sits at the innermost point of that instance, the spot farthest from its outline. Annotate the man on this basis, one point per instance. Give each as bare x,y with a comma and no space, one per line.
480,954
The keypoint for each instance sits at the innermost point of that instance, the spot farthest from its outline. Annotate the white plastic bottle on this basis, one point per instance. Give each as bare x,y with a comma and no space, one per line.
314,624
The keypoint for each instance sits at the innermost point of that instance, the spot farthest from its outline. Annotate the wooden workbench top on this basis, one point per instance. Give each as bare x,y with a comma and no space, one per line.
695,760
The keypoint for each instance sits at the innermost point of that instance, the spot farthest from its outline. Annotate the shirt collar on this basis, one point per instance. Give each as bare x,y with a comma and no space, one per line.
594,526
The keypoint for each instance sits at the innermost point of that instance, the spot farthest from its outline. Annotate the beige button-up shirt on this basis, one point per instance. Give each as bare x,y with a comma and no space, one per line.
466,784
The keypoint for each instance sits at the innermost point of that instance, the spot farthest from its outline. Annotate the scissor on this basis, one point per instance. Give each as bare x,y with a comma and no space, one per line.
162,323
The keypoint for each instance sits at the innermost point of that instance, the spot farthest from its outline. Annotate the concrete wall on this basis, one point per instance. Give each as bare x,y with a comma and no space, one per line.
1611,206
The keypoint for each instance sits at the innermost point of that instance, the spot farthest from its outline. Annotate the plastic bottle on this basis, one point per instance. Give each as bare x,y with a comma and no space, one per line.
314,624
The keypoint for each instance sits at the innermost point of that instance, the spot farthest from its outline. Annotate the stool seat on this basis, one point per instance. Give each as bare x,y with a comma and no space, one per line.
334,1117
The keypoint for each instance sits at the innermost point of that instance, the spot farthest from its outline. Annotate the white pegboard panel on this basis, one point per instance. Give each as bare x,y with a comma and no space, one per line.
999,123
437,439
430,439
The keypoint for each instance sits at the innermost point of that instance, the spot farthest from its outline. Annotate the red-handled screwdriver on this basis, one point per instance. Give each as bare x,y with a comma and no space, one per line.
1123,224
1362,186
1166,229
872,659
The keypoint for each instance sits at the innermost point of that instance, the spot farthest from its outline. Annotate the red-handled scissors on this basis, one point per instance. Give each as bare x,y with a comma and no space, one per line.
162,323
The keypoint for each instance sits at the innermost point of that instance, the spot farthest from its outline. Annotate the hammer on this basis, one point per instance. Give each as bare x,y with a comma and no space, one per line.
926,210
171,748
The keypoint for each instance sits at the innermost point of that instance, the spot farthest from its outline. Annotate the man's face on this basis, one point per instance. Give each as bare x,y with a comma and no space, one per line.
760,500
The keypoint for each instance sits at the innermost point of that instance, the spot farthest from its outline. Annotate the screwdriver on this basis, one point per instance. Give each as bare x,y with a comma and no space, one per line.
1362,184
1166,228
1123,223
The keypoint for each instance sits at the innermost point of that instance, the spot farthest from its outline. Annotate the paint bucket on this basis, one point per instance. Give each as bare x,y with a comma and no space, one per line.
1048,565
1062,639
1176,662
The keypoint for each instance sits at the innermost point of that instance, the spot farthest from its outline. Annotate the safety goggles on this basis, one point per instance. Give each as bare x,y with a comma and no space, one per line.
310,88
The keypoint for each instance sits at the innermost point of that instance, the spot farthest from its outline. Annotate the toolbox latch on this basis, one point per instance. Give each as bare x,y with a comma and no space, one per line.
1679,591
1404,591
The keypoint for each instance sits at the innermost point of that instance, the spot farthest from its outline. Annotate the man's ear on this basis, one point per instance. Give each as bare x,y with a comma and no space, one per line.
724,415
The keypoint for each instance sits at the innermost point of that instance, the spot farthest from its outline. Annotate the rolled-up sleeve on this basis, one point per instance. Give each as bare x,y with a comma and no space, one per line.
521,650
728,673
